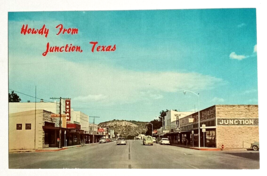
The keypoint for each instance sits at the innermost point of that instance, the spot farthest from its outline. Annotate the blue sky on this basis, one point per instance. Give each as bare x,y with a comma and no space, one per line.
159,53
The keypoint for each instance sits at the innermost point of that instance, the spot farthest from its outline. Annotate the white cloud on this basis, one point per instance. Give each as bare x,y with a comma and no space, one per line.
89,81
255,49
233,55
150,95
97,97
217,100
250,91
107,84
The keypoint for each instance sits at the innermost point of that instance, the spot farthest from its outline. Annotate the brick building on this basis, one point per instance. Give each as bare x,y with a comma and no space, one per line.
234,126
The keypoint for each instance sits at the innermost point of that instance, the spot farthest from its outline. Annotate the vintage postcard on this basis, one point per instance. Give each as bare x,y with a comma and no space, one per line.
133,89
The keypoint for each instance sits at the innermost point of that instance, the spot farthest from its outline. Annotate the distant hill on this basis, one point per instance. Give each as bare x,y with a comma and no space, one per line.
126,128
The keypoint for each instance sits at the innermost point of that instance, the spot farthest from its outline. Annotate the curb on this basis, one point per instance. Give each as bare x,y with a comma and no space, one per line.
206,149
51,150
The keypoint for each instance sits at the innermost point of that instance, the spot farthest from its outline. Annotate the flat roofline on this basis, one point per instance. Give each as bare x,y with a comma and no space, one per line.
29,111
220,105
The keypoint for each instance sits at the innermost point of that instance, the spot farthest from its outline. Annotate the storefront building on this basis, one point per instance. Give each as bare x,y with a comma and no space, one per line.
35,130
26,129
234,126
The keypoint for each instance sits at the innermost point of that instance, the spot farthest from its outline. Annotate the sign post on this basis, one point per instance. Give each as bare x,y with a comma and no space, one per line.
193,137
203,130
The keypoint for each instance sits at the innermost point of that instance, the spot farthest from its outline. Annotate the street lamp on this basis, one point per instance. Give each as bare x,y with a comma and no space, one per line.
152,129
197,94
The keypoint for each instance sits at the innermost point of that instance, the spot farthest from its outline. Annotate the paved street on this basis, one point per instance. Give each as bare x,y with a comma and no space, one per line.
135,155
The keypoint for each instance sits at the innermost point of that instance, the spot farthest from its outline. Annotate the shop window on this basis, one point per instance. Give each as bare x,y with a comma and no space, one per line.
211,138
212,123
28,126
19,126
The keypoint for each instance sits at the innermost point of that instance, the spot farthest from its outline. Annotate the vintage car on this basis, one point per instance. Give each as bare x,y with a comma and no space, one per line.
147,140
255,146
102,141
108,140
164,141
121,141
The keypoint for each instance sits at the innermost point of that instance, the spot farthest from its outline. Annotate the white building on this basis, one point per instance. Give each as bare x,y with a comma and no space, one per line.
170,120
93,128
53,107
80,118
25,129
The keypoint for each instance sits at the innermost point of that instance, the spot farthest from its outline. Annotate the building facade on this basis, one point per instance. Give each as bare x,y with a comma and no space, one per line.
234,126
171,119
26,129
80,118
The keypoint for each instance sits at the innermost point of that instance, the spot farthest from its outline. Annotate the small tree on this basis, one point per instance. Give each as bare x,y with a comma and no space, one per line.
13,97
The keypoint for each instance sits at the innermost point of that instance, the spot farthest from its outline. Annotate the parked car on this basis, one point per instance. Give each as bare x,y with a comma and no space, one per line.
147,140
102,141
164,141
137,137
121,141
108,140
255,146
154,139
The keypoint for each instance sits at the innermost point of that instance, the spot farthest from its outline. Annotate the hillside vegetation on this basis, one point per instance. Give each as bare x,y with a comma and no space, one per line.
124,128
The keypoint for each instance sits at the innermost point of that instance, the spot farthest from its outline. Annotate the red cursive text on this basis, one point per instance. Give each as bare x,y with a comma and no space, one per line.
66,48
102,48
25,30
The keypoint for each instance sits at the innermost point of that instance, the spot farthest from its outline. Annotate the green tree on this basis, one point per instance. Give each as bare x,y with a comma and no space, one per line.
156,125
162,114
13,97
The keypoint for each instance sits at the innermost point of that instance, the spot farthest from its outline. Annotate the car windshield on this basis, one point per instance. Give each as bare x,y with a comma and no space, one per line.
165,139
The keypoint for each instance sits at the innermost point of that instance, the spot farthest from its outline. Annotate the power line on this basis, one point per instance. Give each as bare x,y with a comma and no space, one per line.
30,95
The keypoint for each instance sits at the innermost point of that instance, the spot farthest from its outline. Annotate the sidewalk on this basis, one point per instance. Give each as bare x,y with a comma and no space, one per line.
207,148
50,149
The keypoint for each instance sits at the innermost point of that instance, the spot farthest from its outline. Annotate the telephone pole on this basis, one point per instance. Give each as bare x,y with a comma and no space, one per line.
60,98
94,126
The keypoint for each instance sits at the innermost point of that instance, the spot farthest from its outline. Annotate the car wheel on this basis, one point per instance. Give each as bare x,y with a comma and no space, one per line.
255,148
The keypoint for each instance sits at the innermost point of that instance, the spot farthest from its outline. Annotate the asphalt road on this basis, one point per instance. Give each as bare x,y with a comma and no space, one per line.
134,156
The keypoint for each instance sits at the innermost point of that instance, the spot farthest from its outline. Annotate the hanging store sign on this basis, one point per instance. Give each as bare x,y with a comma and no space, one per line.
101,130
68,109
249,121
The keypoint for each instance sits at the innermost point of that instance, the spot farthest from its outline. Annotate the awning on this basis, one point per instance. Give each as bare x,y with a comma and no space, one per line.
53,128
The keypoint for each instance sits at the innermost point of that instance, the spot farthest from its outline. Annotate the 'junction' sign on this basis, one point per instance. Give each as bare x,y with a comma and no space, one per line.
250,121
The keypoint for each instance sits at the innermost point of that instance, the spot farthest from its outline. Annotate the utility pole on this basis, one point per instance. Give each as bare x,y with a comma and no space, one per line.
94,126
35,122
152,129
60,98
197,94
